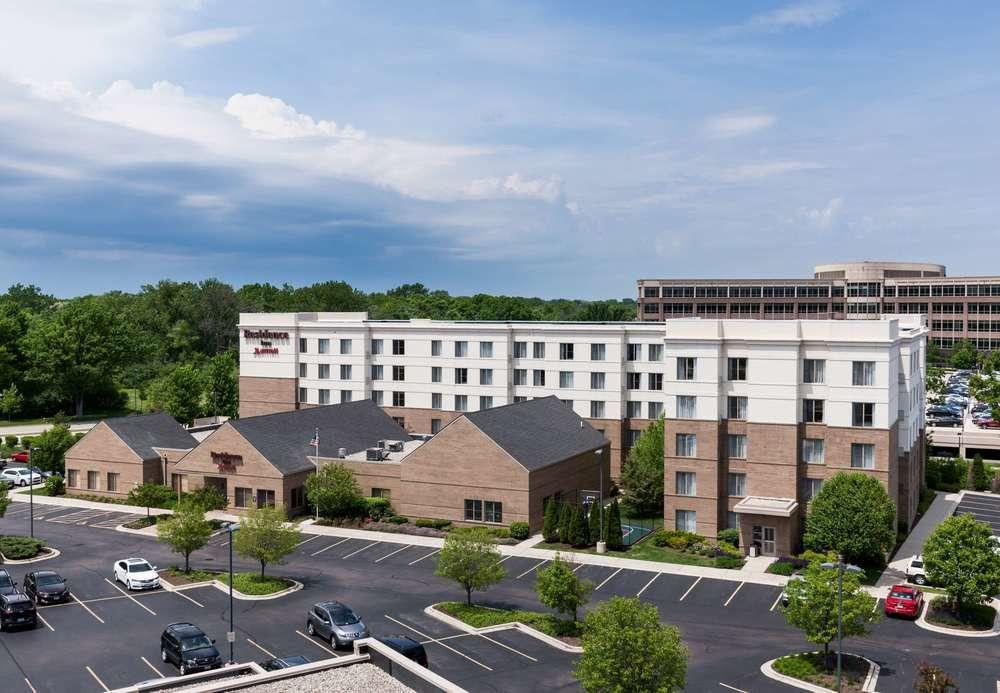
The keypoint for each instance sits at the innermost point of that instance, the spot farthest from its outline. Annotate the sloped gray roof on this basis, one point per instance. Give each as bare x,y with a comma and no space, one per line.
538,432
148,431
283,438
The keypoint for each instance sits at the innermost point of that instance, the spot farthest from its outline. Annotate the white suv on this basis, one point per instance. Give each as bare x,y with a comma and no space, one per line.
20,476
915,571
136,574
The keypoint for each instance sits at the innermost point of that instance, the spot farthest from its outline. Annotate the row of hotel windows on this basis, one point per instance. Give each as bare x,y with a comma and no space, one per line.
567,350
811,291
862,413
981,343
813,370
477,510
959,325
813,449
685,484
867,308
93,480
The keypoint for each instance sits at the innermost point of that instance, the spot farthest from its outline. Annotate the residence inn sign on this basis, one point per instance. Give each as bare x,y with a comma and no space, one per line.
266,337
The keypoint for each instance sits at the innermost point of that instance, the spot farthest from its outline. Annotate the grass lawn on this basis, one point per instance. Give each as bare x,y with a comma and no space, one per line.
973,617
810,667
643,551
38,491
483,616
93,416
247,583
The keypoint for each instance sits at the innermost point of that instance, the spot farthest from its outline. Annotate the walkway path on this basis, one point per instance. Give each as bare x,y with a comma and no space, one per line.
941,508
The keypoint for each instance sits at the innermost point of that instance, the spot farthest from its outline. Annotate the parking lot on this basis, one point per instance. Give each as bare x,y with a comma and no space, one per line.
113,637
983,508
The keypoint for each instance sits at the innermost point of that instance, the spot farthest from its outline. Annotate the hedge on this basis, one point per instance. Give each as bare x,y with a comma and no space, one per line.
432,523
520,530
18,548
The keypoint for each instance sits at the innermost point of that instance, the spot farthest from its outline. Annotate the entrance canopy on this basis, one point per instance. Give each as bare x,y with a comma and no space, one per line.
761,505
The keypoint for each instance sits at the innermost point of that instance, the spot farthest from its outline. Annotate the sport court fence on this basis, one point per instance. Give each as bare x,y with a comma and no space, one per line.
634,529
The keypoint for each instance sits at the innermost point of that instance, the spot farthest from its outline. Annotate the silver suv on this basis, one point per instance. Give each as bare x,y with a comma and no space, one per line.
337,623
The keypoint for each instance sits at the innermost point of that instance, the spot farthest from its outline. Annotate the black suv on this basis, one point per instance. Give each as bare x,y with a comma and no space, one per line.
406,646
187,646
17,609
46,587
7,585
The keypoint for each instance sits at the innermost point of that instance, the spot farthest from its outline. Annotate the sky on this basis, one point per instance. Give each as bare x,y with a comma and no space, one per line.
557,149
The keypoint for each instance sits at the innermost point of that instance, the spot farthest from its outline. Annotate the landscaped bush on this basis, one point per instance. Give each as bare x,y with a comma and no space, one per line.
728,561
729,536
397,519
676,539
55,486
207,498
19,548
781,567
27,442
497,532
10,441
810,556
377,508
152,496
520,530
432,523
947,473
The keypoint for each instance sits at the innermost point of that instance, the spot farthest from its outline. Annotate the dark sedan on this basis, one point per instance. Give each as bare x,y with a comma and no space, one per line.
17,610
284,662
46,587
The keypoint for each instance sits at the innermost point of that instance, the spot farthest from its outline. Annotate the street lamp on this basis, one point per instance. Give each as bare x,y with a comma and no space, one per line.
31,492
841,567
231,635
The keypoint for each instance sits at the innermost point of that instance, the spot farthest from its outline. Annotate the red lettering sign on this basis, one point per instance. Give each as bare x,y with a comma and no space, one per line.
258,351
227,461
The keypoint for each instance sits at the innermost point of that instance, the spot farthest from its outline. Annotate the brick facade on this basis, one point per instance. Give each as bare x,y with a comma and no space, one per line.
102,452
266,395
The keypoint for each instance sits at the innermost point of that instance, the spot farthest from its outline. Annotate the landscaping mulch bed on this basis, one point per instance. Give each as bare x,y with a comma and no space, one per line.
247,583
975,617
479,616
809,667
141,523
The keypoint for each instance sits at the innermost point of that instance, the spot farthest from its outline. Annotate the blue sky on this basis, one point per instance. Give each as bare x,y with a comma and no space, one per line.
553,149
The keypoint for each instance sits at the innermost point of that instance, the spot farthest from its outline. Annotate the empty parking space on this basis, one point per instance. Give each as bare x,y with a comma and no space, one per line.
666,589
983,508
627,583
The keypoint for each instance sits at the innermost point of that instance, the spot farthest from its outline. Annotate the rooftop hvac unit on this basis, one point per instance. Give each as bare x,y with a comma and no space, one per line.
394,445
373,454
341,453
380,443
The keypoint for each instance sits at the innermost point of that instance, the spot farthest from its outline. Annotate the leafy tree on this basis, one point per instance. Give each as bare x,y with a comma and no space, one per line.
812,606
151,496
642,475
626,648
565,523
207,498
934,381
335,492
265,536
49,453
471,559
613,531
594,522
222,385
579,530
986,388
559,588
853,515
964,355
11,401
186,531
933,679
960,557
550,526
980,478
180,393
55,486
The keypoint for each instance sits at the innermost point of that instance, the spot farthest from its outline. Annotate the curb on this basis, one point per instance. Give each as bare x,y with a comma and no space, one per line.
992,633
144,532
53,553
296,586
513,625
767,669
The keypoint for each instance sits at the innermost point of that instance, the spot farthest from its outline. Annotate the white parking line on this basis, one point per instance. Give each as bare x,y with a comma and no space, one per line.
267,652
693,585
776,600
361,549
423,557
738,587
608,578
508,647
875,608
505,558
313,641
578,567
129,596
379,560
438,642
155,670
732,688
45,622
306,541
181,594
93,517
75,599
539,565
639,593
33,690
97,678
316,553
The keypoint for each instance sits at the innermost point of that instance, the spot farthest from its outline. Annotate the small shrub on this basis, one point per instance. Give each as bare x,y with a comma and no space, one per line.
796,666
78,435
520,530
727,549
729,536
728,562
152,496
397,519
496,532
676,539
207,498
432,523
55,486
781,567
810,556
377,508
10,441
27,442
19,548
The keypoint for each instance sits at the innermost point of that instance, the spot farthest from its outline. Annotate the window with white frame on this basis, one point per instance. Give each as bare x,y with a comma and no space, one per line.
633,410
345,371
633,352
632,436
685,484
538,350
303,370
732,520
435,425
565,351
862,455
810,487
493,512
436,400
863,414
596,410
324,396
813,450
378,397
398,347
435,374
520,376
812,410
346,396
303,394
538,378
323,346
461,349
737,484
655,410
655,352
345,346
597,381
398,399
687,444
461,402
655,381
685,520
737,369
399,373
686,367
485,402
520,350
686,406
461,376
565,379
435,347
520,398
376,371
323,371
863,373
485,376
376,347
598,352
303,345
473,510
737,446
736,407
814,371
633,381
486,350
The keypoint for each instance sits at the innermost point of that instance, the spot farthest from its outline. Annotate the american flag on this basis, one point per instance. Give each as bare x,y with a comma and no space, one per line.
315,440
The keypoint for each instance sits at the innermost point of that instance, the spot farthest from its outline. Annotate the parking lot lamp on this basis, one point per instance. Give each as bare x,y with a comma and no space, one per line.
31,493
231,635
841,567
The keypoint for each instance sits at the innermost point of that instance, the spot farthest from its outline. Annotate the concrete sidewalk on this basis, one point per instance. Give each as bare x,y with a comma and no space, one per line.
941,508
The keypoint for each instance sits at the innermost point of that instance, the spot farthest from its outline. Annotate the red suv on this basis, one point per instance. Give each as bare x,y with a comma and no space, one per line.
20,456
904,600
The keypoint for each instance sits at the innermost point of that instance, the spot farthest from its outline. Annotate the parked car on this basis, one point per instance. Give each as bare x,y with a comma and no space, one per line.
988,423
915,571
284,662
408,647
944,421
904,600
136,574
7,584
186,646
46,587
337,623
980,407
45,475
17,609
20,476
20,456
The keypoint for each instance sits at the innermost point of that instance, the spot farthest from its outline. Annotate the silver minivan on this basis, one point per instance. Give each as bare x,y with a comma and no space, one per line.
337,623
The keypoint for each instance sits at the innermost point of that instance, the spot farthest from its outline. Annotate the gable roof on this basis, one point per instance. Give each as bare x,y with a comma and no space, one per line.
158,430
538,432
283,438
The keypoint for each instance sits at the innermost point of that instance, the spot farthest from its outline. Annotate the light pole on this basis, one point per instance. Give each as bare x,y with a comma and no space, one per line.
31,492
840,566
231,635
600,503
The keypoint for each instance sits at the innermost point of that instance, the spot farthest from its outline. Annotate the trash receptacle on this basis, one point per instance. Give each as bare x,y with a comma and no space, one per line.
753,551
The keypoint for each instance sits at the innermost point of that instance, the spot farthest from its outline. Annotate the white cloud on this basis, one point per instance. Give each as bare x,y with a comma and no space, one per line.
211,37
756,171
823,217
273,118
802,15
515,185
730,125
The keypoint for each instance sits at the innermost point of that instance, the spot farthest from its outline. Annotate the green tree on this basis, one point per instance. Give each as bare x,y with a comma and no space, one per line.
991,362
853,515
594,522
812,606
335,492
960,557
964,355
11,401
222,385
642,475
981,480
559,588
613,530
579,531
626,649
265,536
550,526
4,500
565,523
49,448
185,532
934,381
181,393
986,388
151,496
471,559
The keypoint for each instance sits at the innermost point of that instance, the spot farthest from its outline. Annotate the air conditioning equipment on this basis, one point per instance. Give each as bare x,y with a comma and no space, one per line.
394,445
341,453
373,454
381,443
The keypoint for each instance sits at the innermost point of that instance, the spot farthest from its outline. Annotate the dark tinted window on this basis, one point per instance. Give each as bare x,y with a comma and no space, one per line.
46,580
344,617
901,595
194,642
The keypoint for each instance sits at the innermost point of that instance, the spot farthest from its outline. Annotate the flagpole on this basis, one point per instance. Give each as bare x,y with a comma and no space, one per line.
316,440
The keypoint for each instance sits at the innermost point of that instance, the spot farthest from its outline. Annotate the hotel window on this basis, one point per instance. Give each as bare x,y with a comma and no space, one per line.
493,511
112,482
687,444
520,350
486,350
324,371
461,349
303,342
685,520
485,402
686,406
435,347
436,400
461,402
736,408
398,347
398,399
597,352
596,410
863,455
265,498
737,369
376,371
303,370
732,520
655,410
633,381
813,450
345,371
538,350
72,478
567,402
299,497
520,376
565,351
435,425
520,398
685,367
813,371
324,396
863,414
812,410
633,352
244,497
538,378
376,347
810,487
461,376
91,481
377,397
565,379
655,352
633,410
863,373
655,381
303,394
323,346
399,373
737,446
737,484
345,396
485,376
597,381
473,510
399,421
685,484
345,346
435,374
